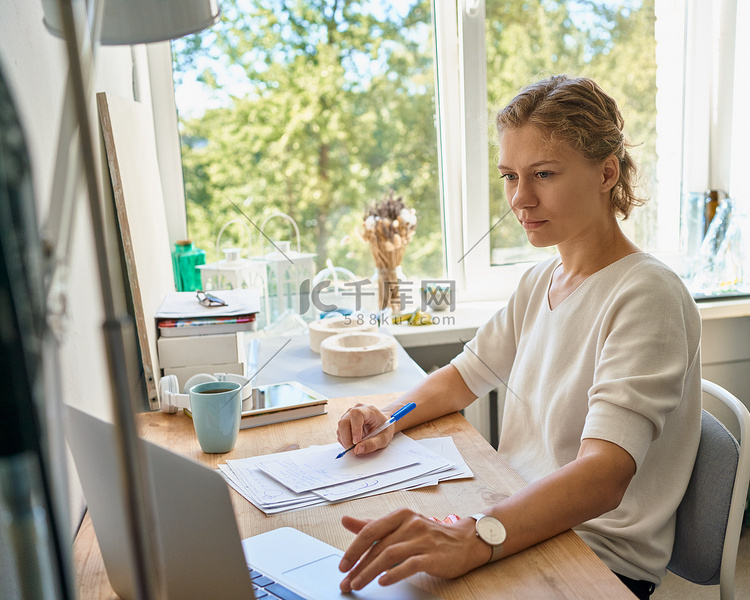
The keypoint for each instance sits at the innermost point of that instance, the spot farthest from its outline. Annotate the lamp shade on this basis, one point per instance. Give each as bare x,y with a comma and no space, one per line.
143,21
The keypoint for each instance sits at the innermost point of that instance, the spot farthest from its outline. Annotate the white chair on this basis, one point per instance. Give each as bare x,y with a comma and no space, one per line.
709,518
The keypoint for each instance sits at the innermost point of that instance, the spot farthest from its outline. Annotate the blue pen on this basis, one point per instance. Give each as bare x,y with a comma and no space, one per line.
394,417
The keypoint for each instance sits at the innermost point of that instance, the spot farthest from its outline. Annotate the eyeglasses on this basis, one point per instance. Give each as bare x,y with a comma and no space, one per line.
209,300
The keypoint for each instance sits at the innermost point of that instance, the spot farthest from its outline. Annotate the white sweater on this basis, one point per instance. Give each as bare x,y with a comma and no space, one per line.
618,360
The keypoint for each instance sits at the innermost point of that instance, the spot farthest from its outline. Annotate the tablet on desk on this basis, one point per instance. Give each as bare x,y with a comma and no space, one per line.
280,402
281,396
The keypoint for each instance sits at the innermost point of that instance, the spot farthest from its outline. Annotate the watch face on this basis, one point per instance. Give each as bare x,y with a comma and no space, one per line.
491,530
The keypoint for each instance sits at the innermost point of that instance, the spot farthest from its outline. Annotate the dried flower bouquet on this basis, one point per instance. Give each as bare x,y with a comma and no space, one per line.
388,227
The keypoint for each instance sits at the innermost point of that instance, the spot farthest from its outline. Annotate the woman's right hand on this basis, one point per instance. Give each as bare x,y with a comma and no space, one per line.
357,422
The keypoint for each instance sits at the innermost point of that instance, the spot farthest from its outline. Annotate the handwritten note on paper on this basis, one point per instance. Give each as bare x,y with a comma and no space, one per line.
313,470
247,492
426,462
271,496
265,490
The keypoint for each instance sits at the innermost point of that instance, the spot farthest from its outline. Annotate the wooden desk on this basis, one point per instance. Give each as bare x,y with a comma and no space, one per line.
563,567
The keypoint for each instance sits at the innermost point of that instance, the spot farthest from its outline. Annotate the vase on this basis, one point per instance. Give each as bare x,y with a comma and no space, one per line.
723,253
388,288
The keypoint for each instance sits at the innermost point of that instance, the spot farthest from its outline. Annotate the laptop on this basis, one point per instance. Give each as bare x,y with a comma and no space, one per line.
197,531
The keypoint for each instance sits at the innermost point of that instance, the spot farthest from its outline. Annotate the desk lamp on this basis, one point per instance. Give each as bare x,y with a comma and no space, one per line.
127,22
83,25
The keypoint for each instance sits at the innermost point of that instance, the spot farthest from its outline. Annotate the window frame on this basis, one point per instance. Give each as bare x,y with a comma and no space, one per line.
699,146
167,134
470,258
459,40
707,131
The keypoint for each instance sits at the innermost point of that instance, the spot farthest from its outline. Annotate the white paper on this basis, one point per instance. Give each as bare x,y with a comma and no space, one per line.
265,490
438,459
428,462
302,472
446,447
185,305
246,492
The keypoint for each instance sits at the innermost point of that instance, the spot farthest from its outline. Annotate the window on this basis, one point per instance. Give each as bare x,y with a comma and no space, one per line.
670,64
316,109
511,44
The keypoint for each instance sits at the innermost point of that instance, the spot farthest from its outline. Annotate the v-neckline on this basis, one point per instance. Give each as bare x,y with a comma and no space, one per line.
574,290
549,288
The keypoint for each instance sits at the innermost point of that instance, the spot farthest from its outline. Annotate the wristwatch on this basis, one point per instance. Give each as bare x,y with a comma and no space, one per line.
491,532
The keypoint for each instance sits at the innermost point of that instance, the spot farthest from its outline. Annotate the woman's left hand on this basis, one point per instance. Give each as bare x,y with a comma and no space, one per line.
408,543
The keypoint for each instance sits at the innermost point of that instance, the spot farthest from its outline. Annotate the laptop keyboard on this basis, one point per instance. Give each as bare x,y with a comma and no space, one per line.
266,588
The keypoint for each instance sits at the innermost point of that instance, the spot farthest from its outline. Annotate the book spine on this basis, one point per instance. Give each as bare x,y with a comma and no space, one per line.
203,322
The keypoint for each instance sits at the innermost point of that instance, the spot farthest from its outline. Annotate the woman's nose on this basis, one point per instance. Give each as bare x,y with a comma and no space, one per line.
523,197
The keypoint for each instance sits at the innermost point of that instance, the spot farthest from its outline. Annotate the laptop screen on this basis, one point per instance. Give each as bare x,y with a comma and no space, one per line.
196,527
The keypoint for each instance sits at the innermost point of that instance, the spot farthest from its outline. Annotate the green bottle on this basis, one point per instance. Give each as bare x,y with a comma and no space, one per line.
185,260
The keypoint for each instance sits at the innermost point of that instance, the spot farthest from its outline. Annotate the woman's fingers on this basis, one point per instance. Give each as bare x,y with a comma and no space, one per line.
358,420
404,543
356,423
351,420
406,568
374,443
354,525
368,532
397,560
379,545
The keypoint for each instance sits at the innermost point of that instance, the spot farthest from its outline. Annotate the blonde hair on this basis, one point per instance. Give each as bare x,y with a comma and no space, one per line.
578,112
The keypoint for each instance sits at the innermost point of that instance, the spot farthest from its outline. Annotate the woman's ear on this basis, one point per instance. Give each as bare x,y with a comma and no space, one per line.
610,173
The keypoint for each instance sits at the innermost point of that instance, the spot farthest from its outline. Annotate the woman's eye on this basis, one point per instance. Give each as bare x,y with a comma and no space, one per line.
543,174
508,176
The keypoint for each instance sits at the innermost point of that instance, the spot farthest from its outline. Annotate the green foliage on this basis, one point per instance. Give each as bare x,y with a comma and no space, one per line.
338,107
341,110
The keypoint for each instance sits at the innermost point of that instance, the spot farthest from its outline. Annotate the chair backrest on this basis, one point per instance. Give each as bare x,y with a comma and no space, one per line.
709,518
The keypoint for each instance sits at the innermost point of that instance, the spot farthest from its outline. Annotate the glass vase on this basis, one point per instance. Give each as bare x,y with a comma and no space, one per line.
724,252
388,288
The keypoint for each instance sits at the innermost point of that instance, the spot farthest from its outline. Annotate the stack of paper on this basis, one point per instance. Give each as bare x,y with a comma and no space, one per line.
183,305
314,476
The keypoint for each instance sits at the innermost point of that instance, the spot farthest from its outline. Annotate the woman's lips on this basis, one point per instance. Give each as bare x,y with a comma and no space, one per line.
531,225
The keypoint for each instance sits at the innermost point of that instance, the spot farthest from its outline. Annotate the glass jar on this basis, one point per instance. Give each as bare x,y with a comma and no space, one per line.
185,260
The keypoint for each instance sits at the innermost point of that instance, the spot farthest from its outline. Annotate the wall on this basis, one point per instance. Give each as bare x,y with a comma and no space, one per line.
35,65
725,354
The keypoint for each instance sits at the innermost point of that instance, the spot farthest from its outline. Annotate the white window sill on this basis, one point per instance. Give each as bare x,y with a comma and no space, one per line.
724,309
451,327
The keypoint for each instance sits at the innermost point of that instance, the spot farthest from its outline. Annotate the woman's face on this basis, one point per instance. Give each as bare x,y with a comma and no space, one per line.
558,196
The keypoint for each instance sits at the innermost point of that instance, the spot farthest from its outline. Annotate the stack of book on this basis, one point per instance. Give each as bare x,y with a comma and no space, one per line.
194,338
205,326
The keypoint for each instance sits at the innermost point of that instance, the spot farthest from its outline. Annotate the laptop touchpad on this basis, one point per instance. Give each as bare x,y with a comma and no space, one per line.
321,579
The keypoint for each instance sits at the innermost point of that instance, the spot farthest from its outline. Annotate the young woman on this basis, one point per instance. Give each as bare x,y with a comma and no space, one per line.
601,349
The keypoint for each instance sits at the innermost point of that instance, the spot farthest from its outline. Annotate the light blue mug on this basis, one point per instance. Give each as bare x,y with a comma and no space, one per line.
216,407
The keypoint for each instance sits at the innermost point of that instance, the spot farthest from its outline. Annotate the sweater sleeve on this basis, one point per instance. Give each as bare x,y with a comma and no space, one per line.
649,342
486,360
